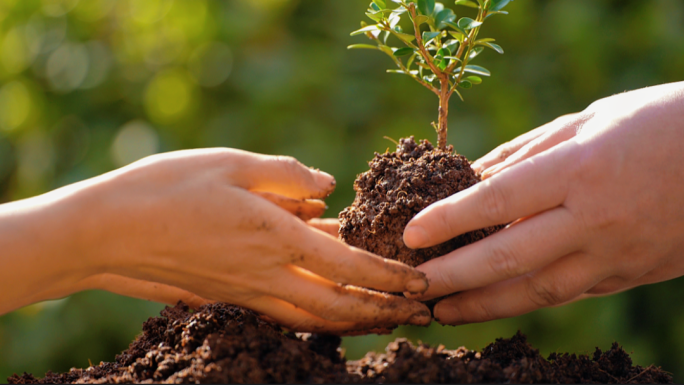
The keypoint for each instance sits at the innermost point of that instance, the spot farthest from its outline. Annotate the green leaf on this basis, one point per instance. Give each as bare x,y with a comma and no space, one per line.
394,19
474,79
403,52
426,7
474,52
477,70
497,5
440,58
495,13
386,49
402,72
493,46
452,45
380,3
377,17
427,36
443,17
370,28
405,36
467,3
465,84
460,36
422,19
467,23
362,46
375,7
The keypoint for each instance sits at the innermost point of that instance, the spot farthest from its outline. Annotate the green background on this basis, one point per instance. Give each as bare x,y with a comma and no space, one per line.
88,86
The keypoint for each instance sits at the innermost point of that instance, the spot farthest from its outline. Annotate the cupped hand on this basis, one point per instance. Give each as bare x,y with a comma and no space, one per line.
595,203
218,225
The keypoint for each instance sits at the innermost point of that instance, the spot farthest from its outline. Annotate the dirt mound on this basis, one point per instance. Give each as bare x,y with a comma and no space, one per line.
398,186
227,344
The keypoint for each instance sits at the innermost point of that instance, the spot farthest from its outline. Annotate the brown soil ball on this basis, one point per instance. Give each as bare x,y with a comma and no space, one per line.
398,186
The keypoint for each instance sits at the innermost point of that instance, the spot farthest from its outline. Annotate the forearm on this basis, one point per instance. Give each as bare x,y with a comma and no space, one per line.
39,257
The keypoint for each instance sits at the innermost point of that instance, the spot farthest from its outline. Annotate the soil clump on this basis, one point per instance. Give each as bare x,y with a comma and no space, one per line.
397,187
221,343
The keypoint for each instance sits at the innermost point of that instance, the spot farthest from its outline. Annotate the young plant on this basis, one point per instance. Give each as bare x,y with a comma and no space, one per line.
439,51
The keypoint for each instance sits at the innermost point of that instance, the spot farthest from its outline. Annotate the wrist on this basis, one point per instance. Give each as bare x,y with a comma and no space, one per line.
42,255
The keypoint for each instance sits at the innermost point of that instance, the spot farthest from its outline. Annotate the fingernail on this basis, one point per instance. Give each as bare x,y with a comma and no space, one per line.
417,286
477,167
448,315
324,180
422,318
415,237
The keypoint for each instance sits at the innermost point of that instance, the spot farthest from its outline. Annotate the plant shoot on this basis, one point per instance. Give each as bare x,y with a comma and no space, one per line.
439,51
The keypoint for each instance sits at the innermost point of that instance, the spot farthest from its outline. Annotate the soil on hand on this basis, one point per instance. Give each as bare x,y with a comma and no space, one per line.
227,344
398,186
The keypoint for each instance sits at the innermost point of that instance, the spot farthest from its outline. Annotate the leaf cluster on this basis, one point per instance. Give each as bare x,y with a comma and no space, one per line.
440,49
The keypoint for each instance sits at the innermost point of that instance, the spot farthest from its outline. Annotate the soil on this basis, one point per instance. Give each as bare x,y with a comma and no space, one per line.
221,343
397,187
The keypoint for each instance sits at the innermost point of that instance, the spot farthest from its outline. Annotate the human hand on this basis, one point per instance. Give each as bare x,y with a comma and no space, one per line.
596,202
207,225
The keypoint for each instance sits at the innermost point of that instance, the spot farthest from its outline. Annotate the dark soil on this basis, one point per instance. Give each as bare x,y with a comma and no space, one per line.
227,344
398,186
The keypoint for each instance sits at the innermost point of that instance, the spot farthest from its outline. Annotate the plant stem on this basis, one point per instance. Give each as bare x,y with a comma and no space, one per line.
443,113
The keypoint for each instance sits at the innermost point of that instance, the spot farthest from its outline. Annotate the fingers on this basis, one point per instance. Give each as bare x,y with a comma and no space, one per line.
299,320
150,291
337,303
504,151
281,175
329,226
330,258
558,283
305,209
524,247
560,130
533,186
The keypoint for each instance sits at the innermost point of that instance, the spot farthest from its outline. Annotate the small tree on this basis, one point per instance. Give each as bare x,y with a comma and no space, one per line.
439,51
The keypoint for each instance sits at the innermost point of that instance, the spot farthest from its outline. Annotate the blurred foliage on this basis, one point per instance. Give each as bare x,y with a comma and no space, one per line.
90,85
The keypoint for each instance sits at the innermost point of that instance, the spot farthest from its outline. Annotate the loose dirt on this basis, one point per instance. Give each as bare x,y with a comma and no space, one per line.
226,344
397,187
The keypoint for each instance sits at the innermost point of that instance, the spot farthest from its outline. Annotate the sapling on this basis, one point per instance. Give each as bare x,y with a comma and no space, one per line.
439,51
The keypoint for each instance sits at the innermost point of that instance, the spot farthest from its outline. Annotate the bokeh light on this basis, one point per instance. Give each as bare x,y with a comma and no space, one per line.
134,141
87,86
15,105
169,96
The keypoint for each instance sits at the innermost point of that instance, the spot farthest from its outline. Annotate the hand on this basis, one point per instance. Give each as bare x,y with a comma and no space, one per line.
596,206
206,226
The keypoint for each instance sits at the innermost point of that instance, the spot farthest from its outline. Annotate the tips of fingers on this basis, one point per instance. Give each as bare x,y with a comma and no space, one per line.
325,182
286,176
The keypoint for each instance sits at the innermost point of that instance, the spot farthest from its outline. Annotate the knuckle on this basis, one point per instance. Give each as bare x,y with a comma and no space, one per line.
483,312
493,203
505,150
290,163
545,293
505,262
445,280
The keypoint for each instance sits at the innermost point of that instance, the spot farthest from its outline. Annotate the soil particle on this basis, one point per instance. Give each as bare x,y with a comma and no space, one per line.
398,186
226,344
